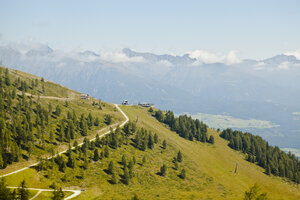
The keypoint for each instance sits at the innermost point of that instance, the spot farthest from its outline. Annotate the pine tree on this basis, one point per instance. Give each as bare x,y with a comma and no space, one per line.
135,197
1,161
96,155
5,193
130,165
107,119
179,156
163,170
97,122
164,144
86,163
155,138
66,103
106,152
211,139
51,137
57,110
150,141
126,176
254,194
182,174
124,162
110,168
144,160
113,178
58,194
134,160
23,193
175,164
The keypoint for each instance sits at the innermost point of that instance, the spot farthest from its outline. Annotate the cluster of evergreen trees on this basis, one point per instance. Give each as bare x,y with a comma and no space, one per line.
25,121
272,159
81,156
22,193
144,139
100,149
6,194
128,170
184,126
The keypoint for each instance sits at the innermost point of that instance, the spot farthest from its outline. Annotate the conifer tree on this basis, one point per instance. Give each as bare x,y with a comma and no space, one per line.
57,110
176,164
5,193
107,119
1,161
164,144
163,170
71,160
96,155
155,138
23,193
124,162
97,122
114,178
144,160
150,141
254,194
182,174
106,152
211,139
58,194
126,176
179,156
110,168
85,163
134,160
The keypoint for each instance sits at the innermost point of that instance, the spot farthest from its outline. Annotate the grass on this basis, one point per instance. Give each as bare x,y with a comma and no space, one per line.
209,170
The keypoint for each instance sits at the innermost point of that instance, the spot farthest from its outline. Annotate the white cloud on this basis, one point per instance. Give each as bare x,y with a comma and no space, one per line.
165,63
260,64
283,66
294,53
119,57
207,57
232,58
259,68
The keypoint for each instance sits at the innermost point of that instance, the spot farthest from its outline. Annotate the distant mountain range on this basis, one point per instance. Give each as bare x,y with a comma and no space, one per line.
266,89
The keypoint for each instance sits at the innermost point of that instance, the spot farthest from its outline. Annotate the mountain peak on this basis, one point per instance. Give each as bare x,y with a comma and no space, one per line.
281,58
41,50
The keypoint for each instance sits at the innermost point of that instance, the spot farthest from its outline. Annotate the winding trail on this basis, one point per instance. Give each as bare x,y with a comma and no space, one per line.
75,192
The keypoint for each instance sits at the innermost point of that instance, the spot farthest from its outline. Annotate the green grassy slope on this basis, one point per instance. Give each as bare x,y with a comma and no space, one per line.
209,168
209,171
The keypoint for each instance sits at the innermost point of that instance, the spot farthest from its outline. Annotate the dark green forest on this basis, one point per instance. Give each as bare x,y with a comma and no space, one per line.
257,150
184,126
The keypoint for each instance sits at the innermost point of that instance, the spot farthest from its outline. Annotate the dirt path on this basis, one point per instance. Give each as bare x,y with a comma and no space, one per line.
75,192
48,97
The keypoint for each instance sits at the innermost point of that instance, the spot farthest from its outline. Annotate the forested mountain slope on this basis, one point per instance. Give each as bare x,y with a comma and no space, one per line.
39,118
154,156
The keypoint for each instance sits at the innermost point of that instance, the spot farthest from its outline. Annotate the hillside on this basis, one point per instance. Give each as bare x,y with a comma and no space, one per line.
209,168
39,118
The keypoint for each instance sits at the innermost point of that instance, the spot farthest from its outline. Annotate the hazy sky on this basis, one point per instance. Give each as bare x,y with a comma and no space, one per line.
256,29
